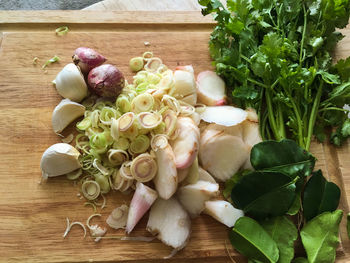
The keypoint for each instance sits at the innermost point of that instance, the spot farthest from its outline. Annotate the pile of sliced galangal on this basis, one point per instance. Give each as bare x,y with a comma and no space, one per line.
195,142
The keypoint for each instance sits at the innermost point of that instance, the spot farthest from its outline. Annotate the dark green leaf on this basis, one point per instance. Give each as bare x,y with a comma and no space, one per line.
232,181
251,240
284,232
343,69
319,196
320,237
295,207
284,156
259,194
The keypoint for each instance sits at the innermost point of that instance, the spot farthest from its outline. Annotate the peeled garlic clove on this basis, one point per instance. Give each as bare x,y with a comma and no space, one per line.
64,113
59,159
70,83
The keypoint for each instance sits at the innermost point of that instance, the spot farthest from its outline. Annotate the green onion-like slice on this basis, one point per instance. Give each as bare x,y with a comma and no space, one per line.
121,144
106,115
140,144
50,61
61,30
84,124
90,189
126,121
75,174
153,64
117,157
103,182
123,103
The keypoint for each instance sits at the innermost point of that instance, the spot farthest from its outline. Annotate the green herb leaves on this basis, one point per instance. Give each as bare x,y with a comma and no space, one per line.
284,156
319,196
250,239
284,233
275,56
320,237
260,193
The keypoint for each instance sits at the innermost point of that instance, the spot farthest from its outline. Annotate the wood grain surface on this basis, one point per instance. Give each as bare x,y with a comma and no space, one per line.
33,215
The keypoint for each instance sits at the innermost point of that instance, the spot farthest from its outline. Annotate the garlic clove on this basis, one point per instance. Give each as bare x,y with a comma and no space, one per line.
70,83
64,113
59,159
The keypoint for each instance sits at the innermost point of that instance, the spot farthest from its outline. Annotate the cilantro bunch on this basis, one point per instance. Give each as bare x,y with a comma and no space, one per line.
276,56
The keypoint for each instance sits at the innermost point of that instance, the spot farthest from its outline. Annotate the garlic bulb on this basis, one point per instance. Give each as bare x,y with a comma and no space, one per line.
59,159
70,83
64,113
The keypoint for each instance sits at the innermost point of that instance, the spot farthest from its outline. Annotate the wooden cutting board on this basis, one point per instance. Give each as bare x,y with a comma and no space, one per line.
33,215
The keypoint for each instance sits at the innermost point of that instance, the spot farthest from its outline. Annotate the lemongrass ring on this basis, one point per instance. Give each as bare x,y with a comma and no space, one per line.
149,120
95,115
169,119
117,157
115,129
147,55
90,217
125,171
162,68
132,132
125,121
123,103
107,114
75,174
121,144
142,102
172,103
97,164
153,64
143,168
90,189
140,144
159,141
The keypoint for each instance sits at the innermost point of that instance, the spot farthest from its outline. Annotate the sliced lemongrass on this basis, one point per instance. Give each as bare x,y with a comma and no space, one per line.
119,183
159,141
61,30
121,144
115,129
79,224
50,61
75,174
68,139
167,81
86,162
162,68
95,117
125,171
142,102
126,121
99,143
118,218
91,217
132,132
117,157
90,189
153,64
107,114
140,144
84,124
159,129
102,180
143,168
172,103
153,79
142,87
186,109
67,228
169,119
103,204
35,61
92,205
123,103
147,55
136,63
157,106
105,171
149,120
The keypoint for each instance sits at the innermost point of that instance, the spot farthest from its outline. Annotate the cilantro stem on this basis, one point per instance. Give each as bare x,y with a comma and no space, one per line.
333,108
313,116
303,36
257,83
272,119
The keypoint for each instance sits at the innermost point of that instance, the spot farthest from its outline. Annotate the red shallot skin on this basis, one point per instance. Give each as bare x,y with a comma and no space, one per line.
87,59
106,81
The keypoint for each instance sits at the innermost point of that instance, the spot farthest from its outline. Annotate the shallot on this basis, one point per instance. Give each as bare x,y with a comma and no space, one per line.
87,59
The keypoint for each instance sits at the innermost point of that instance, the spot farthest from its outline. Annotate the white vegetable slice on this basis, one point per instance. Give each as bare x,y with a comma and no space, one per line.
170,222
185,86
223,212
224,115
205,176
64,113
210,89
142,200
186,144
165,180
59,159
193,196
223,155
